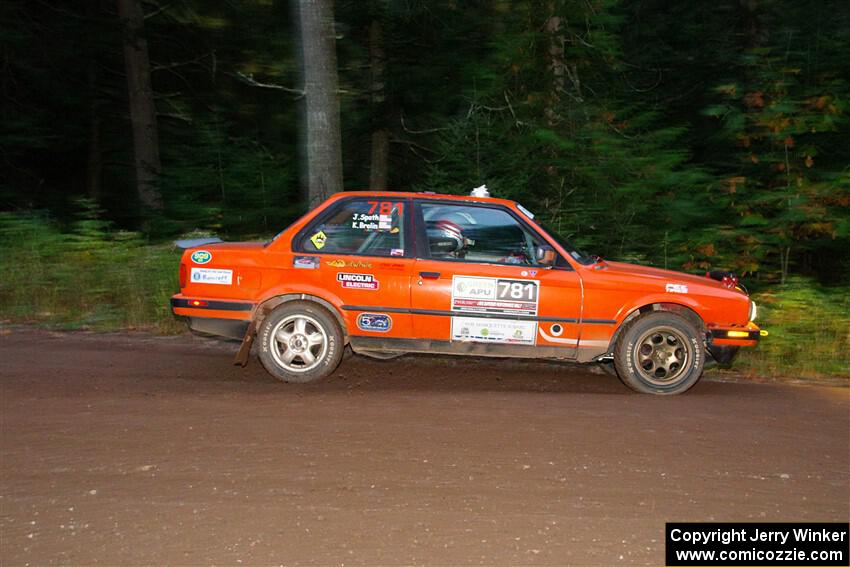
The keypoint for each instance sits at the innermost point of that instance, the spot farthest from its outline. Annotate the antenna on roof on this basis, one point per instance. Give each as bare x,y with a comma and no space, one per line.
480,191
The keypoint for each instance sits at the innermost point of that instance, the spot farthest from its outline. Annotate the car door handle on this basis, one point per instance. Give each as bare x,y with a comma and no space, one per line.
429,275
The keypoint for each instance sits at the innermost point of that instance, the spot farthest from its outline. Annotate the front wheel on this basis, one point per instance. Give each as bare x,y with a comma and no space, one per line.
300,343
660,353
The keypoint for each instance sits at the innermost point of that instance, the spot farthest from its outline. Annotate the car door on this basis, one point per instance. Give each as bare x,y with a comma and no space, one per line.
477,280
360,251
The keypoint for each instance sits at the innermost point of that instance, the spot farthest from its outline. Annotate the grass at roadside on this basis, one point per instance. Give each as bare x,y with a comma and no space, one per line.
92,277
809,330
89,277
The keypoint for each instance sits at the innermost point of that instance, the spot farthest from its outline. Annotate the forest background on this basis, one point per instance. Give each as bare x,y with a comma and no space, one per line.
684,135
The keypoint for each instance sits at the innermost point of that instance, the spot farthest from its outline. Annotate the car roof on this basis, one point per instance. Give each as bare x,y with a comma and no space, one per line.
410,194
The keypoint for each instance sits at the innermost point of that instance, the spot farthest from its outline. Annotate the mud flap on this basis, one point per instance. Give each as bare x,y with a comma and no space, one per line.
723,355
242,356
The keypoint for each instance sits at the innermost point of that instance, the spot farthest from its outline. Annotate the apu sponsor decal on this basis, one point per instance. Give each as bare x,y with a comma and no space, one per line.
357,281
492,295
676,288
305,262
210,276
201,256
374,322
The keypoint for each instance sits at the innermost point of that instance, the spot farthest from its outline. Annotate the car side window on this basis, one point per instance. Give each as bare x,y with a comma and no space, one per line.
373,227
482,235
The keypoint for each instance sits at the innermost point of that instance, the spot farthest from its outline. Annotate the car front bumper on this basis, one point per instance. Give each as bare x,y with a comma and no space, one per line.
723,343
735,336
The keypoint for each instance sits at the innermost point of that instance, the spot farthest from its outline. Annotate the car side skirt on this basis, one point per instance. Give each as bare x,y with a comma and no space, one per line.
427,346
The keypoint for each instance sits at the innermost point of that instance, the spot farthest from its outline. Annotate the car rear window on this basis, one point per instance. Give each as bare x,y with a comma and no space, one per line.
371,227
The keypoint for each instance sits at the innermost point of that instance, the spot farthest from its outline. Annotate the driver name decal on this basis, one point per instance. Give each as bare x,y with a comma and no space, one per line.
495,295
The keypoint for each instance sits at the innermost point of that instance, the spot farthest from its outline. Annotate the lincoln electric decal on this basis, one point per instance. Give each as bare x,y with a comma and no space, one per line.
357,281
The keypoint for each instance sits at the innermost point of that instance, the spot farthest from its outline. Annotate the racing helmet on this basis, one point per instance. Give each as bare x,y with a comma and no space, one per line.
445,236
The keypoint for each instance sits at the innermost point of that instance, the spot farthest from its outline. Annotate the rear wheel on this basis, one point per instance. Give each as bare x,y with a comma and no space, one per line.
660,353
300,342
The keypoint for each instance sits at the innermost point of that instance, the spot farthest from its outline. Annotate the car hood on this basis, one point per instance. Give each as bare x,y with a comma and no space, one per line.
668,276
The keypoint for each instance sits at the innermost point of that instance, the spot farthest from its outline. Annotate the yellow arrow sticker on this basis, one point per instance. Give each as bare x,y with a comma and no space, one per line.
319,239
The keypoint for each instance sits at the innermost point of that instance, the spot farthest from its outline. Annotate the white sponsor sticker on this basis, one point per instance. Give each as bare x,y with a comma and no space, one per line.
676,288
495,295
210,276
525,211
357,281
506,331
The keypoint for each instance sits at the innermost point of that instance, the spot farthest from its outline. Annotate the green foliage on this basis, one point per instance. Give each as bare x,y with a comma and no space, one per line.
227,185
615,182
784,192
90,277
685,135
809,329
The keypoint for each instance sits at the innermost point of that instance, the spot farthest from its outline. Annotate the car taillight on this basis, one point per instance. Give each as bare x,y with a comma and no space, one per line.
198,303
183,275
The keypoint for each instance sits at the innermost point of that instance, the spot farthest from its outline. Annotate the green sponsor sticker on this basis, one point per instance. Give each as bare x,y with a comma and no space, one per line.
201,256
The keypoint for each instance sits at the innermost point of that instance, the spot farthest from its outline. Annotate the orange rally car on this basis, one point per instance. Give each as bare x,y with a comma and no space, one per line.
390,273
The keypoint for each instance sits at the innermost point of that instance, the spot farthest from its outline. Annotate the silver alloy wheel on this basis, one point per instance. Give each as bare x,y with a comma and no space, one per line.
299,343
662,355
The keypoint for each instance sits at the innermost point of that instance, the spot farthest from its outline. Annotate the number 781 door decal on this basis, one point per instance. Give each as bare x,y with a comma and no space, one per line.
495,295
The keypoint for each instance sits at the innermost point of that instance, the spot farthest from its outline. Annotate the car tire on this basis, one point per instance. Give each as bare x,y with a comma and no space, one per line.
300,342
660,353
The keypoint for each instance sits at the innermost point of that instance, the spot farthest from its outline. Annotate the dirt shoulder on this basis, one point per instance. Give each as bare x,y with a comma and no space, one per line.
133,449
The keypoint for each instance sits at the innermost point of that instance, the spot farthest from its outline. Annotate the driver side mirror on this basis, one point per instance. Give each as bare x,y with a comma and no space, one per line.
545,255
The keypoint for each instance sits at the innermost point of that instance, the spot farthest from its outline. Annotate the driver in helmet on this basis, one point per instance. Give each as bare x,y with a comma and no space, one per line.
446,239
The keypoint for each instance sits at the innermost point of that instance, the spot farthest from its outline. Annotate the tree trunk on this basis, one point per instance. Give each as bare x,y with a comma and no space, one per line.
142,108
324,146
557,68
379,170
94,165
556,65
380,159
94,160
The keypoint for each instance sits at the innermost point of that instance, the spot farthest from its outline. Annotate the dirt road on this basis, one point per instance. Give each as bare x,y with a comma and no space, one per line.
129,450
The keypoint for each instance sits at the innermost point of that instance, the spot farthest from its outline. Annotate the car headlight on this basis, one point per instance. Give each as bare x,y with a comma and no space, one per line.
754,310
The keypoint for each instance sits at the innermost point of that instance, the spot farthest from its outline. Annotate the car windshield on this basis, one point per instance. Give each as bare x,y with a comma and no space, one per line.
576,254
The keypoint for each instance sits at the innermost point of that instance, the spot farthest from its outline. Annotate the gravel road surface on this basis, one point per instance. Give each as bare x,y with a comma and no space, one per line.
129,449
